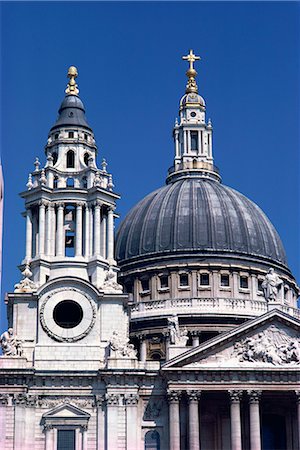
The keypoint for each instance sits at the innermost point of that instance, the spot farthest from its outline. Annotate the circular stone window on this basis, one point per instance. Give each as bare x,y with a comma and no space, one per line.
67,314
193,114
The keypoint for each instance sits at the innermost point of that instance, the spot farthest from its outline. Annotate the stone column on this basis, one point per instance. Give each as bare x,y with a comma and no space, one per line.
87,232
78,439
143,348
60,236
49,225
78,246
42,213
3,408
177,150
112,402
103,235
97,222
28,234
110,234
49,437
91,234
131,403
174,419
235,420
194,426
298,415
100,404
83,430
235,291
255,438
53,229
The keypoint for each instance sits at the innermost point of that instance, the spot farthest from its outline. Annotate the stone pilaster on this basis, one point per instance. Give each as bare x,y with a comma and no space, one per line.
174,419
87,237
60,237
235,419
100,404
24,425
194,422
298,415
131,403
110,234
97,222
195,338
254,414
112,406
28,234
143,348
42,215
3,408
103,236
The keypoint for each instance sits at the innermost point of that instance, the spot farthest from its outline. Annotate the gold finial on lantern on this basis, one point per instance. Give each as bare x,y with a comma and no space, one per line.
72,87
191,73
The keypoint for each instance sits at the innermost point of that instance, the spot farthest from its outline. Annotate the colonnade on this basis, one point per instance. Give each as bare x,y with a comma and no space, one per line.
194,427
46,229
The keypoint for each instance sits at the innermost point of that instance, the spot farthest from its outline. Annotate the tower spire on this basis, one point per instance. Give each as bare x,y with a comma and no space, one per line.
72,88
191,73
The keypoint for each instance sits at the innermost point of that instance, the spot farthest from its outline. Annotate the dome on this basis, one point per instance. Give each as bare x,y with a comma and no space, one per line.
198,217
192,99
71,113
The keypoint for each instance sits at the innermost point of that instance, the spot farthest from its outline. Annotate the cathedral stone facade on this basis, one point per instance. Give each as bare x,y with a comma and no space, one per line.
185,336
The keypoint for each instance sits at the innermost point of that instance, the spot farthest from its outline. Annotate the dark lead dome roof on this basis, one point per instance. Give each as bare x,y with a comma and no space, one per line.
71,113
197,216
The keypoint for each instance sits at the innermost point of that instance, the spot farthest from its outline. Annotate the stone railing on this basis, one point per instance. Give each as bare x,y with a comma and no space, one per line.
209,306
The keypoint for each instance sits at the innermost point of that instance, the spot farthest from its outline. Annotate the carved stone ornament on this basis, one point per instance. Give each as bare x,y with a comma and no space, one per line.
193,396
10,344
25,400
54,400
271,346
46,314
153,409
174,396
254,396
112,399
110,285
120,347
177,336
131,399
26,285
99,400
235,396
4,399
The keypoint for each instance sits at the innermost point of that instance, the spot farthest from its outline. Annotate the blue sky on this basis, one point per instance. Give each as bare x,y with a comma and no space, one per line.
131,77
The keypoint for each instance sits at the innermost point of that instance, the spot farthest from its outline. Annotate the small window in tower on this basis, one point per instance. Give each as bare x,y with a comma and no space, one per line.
70,159
164,281
71,134
204,279
55,157
84,182
224,280
244,282
128,288
70,244
259,285
183,280
86,158
55,182
70,182
145,284
193,114
85,136
194,140
56,136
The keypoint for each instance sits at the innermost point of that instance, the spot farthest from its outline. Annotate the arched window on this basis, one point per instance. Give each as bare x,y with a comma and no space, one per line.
54,156
70,182
86,158
55,182
152,440
84,182
70,159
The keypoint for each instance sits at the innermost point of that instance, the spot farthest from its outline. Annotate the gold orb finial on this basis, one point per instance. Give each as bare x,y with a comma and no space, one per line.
72,87
191,73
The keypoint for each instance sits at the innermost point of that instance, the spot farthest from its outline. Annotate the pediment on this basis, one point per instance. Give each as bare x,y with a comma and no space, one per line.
66,411
269,341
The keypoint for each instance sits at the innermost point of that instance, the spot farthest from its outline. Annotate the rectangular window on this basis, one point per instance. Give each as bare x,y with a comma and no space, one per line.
183,279
244,282
194,140
259,285
65,439
71,134
164,281
145,284
225,280
204,279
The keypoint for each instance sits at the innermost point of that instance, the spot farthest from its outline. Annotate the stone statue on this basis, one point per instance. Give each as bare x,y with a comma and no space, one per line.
270,285
177,337
110,284
11,346
120,347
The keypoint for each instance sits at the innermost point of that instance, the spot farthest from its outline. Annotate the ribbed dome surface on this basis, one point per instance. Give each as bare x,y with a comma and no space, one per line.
71,113
199,215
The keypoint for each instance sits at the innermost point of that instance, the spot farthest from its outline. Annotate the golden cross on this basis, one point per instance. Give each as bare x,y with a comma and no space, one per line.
191,58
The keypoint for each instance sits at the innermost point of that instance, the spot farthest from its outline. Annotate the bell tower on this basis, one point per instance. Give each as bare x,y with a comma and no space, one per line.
70,202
